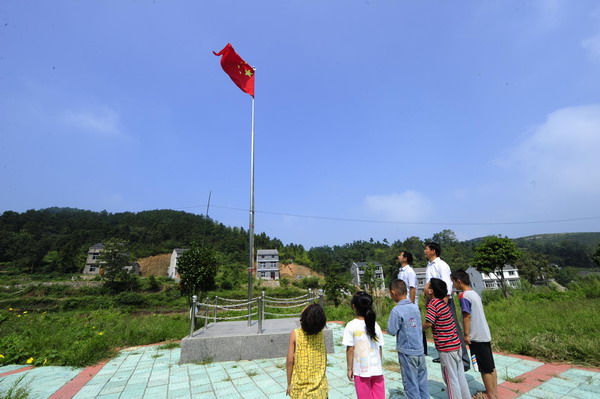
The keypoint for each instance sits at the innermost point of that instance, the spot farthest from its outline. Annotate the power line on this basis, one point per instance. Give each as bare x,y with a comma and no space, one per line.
338,219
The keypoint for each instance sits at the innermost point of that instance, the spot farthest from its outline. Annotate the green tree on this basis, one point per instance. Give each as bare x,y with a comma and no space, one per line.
565,275
309,282
369,280
51,261
534,267
444,238
113,259
493,254
336,287
197,268
596,256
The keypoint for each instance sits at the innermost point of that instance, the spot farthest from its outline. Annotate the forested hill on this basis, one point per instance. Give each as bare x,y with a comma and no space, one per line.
564,249
57,239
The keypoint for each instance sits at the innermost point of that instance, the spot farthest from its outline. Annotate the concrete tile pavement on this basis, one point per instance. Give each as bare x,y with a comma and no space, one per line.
42,381
151,372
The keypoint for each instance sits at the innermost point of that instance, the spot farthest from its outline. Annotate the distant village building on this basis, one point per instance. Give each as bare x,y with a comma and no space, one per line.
479,281
420,272
492,281
267,264
172,270
358,270
93,264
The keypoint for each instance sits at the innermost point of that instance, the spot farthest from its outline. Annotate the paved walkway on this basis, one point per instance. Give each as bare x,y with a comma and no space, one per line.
151,372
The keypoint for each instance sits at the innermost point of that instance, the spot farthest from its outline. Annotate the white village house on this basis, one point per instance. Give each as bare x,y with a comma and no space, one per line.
358,270
172,270
93,264
267,264
479,281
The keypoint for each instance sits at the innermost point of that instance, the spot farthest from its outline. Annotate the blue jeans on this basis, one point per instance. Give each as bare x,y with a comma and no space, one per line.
414,376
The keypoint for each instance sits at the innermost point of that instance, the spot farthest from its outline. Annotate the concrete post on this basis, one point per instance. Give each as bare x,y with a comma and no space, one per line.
321,299
261,304
215,312
206,313
193,315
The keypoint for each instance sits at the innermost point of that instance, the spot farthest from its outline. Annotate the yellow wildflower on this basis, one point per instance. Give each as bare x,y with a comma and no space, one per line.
1,356
101,333
29,361
10,309
18,315
25,312
45,360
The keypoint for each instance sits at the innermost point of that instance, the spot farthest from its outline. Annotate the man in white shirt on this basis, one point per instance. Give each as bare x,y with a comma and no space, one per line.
408,275
437,268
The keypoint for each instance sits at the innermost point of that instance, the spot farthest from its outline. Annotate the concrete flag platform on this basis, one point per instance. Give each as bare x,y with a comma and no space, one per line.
236,340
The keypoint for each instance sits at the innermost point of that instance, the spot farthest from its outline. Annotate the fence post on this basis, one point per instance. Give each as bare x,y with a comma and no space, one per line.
262,308
193,315
215,312
321,299
310,296
206,307
260,313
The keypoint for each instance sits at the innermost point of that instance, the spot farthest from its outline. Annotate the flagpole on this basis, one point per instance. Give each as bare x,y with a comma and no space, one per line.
251,227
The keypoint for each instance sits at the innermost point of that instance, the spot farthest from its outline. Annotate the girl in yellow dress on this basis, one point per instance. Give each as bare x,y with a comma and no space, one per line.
307,358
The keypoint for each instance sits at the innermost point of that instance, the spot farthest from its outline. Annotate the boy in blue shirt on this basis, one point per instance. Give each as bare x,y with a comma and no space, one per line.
405,323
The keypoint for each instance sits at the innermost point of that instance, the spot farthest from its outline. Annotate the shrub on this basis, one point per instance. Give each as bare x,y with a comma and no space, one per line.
309,282
131,299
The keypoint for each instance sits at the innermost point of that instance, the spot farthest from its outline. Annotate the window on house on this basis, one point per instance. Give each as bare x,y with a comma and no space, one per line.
511,273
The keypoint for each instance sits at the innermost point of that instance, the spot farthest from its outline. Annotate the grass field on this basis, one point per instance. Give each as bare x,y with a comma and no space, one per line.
538,322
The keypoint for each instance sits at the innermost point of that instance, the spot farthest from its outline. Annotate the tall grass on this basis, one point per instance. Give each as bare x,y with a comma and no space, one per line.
548,324
81,339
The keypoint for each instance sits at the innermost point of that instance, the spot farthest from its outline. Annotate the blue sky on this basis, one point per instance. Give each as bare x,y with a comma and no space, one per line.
435,114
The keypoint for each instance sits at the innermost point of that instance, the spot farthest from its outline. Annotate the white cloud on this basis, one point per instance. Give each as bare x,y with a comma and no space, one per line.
592,45
407,206
102,121
563,153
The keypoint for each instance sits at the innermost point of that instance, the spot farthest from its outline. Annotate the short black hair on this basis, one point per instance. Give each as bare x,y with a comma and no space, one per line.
439,287
399,286
312,319
408,256
435,247
462,276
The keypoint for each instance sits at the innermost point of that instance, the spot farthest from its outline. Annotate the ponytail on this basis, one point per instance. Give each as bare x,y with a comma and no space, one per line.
363,303
370,323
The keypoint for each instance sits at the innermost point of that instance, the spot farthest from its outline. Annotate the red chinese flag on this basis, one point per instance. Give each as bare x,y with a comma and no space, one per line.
238,70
